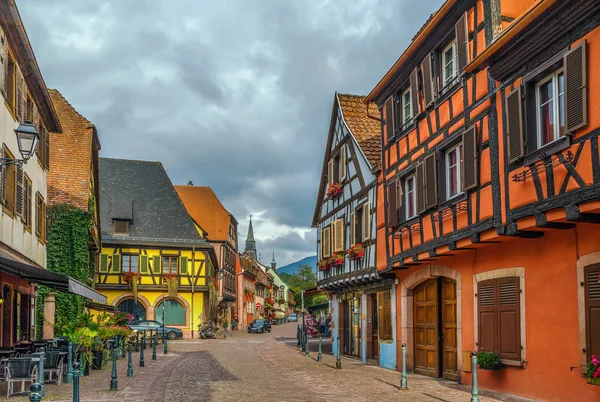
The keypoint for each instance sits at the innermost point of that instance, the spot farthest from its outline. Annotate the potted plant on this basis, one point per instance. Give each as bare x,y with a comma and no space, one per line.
489,361
98,352
323,265
593,371
172,281
336,259
334,190
85,337
355,252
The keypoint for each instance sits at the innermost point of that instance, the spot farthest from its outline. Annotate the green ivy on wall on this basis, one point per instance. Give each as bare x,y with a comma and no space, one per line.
68,252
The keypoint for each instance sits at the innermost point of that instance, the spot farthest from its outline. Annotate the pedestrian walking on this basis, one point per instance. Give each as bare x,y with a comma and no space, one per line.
233,324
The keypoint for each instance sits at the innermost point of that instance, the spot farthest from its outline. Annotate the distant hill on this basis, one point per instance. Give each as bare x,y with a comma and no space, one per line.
295,266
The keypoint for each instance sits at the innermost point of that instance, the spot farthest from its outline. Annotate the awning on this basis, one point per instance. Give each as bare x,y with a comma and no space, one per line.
54,280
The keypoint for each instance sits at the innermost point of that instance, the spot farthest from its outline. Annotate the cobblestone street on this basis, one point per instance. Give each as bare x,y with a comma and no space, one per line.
256,367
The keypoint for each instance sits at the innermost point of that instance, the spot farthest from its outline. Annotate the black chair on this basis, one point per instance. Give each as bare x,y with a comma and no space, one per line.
20,370
53,365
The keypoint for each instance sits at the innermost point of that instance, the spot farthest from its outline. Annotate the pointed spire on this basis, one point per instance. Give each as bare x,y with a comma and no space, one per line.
250,242
273,262
250,236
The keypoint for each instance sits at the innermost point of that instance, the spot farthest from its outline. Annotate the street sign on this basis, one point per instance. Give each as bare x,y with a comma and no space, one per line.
282,287
258,305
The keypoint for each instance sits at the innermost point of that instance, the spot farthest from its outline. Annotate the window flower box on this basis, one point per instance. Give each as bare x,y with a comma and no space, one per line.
356,252
336,260
489,361
334,190
593,371
323,265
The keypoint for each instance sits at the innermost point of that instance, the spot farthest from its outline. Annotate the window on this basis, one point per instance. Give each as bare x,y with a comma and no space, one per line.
11,77
499,319
550,105
410,196
384,315
121,226
358,226
135,308
130,263
336,169
449,65
326,242
406,107
8,183
170,265
339,235
592,310
453,157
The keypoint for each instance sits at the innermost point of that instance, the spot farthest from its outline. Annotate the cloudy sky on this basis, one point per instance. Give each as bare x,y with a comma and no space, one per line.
232,94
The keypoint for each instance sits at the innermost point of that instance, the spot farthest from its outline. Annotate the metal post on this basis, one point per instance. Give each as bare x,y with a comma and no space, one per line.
70,364
338,361
474,387
35,394
115,355
144,340
76,374
129,361
165,337
123,347
41,374
320,355
403,385
142,347
154,340
307,345
137,341
298,334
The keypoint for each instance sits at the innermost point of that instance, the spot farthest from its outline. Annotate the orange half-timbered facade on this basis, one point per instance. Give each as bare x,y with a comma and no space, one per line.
488,197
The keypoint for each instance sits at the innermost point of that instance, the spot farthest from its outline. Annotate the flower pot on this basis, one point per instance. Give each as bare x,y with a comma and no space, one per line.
86,369
595,381
97,360
493,368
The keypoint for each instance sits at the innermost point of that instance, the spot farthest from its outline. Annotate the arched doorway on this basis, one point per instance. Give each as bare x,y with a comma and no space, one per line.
174,312
135,308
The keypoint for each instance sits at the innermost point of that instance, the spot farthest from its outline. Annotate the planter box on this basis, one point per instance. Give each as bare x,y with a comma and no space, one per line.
595,381
495,368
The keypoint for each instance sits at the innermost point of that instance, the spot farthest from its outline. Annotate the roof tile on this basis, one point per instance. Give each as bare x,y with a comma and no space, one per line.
366,130
204,207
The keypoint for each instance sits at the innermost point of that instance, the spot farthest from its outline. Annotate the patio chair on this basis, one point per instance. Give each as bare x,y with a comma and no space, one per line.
53,365
20,370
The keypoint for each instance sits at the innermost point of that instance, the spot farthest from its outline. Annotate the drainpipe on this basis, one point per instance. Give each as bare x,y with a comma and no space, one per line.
193,281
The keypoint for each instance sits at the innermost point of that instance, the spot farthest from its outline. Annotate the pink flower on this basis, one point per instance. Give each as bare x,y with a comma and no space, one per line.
595,360
596,374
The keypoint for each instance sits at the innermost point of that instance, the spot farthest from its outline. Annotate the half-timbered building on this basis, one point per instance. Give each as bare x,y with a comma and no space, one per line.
155,262
489,194
362,300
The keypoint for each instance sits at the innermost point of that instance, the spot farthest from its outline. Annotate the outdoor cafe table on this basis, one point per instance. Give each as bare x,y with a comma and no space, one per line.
5,353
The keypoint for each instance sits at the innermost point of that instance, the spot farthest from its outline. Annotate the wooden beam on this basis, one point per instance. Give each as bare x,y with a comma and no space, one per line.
511,230
542,222
574,215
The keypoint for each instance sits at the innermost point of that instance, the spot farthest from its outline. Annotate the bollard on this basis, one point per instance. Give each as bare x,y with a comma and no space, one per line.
474,387
123,347
403,385
154,340
35,394
320,355
129,361
41,375
338,361
144,340
307,345
115,355
142,347
70,364
137,341
76,374
298,334
165,337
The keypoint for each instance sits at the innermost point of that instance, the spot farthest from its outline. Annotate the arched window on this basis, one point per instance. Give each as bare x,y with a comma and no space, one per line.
174,312
134,308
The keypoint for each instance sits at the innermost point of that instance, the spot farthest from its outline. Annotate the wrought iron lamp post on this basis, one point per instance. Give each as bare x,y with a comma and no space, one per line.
27,140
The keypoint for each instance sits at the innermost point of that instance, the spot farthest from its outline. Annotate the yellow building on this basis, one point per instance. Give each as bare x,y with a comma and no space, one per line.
155,260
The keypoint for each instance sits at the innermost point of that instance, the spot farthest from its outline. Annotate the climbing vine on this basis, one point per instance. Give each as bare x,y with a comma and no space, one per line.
67,253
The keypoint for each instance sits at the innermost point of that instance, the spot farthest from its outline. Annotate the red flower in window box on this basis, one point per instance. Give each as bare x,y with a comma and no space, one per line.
355,252
334,190
336,259
129,277
323,265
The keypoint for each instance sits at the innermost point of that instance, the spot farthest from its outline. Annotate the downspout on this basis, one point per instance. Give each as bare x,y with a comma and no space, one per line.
193,297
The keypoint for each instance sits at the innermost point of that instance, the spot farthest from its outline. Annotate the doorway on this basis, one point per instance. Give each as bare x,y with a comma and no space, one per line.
374,327
435,327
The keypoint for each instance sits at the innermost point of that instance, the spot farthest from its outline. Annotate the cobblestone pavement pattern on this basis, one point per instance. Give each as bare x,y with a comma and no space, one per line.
257,367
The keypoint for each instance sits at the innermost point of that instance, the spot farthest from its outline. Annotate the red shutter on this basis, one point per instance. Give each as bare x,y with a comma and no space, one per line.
592,310
509,325
514,126
488,312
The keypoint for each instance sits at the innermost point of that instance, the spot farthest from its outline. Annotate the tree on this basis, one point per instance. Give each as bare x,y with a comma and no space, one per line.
303,279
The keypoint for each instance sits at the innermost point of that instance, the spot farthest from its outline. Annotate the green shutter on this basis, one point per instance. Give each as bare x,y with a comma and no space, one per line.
156,265
116,263
103,263
183,265
143,264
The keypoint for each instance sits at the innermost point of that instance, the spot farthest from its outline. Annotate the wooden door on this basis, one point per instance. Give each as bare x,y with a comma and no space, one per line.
426,331
375,326
449,341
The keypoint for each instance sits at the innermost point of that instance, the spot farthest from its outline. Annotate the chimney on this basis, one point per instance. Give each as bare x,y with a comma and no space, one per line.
190,183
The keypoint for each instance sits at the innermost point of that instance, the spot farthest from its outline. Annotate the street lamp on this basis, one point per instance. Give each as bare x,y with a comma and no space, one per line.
221,273
27,140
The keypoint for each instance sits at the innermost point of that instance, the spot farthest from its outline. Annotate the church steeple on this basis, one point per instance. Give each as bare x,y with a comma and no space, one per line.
273,263
250,242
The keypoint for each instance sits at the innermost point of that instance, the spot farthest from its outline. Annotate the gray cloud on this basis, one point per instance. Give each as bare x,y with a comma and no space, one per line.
236,95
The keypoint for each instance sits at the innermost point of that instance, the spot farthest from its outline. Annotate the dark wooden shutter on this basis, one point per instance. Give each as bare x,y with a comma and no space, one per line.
156,265
462,43
103,263
38,215
469,170
398,116
420,189
3,178
46,222
3,64
392,203
46,149
20,189
430,181
116,263
509,325
28,204
143,264
389,117
514,126
592,310
366,222
414,93
487,315
183,265
427,80
575,87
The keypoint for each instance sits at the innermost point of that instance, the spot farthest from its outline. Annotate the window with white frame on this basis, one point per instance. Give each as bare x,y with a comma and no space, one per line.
550,106
453,159
449,64
410,196
406,107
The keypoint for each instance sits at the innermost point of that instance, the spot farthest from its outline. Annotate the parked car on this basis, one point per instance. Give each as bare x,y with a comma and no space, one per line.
259,326
147,325
293,317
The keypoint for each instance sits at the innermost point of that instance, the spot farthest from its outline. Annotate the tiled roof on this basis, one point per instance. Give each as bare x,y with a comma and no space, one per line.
70,170
366,130
205,208
157,211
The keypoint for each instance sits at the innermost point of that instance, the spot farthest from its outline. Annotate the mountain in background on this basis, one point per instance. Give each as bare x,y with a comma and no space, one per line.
295,266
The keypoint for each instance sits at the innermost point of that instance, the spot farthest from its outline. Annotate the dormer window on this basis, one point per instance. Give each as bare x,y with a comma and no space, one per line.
121,227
